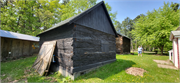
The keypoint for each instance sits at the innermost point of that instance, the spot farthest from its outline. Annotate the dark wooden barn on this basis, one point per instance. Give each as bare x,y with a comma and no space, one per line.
84,41
16,45
122,44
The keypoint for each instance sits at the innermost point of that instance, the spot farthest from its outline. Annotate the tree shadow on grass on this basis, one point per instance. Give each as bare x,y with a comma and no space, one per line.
153,53
108,69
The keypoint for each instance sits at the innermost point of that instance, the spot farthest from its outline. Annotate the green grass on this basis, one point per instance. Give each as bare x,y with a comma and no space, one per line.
114,72
22,71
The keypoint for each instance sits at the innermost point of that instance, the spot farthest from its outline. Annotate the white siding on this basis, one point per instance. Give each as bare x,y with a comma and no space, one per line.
175,53
179,50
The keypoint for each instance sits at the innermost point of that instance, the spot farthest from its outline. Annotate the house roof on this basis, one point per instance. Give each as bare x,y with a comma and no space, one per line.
14,35
170,50
178,29
174,34
123,35
78,16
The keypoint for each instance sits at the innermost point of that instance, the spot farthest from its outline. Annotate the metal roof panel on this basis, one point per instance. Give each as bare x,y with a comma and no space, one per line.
14,35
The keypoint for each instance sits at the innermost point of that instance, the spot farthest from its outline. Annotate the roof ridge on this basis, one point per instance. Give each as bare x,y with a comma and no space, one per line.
76,17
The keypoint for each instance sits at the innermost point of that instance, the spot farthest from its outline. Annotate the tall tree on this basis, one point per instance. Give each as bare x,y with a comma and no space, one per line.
133,39
127,26
112,14
137,17
118,27
154,29
175,6
34,16
28,16
75,7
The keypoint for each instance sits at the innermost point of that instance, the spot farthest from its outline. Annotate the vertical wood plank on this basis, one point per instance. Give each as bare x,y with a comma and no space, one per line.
97,19
26,48
21,48
15,48
2,48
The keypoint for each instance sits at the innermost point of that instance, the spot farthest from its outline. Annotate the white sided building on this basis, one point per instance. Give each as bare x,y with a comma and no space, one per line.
174,54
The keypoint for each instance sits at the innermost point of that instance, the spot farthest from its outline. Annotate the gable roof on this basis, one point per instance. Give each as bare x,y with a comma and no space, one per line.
78,16
122,35
178,29
174,34
14,35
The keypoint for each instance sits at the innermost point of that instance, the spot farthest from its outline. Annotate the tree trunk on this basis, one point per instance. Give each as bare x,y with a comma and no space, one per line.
132,47
136,45
144,49
161,48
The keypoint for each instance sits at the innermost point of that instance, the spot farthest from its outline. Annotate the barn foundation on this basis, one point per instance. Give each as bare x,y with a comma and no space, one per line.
64,72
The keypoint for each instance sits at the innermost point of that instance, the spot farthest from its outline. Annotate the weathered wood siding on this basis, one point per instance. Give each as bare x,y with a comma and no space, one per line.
64,49
18,48
6,45
126,45
92,46
119,44
122,45
97,19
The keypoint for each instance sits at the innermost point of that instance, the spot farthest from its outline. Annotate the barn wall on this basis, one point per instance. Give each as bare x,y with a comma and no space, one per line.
6,45
91,47
126,45
34,47
97,19
64,49
119,44
18,48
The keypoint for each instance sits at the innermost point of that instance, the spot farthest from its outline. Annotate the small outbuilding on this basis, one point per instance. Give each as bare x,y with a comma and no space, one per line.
83,42
123,44
175,53
15,45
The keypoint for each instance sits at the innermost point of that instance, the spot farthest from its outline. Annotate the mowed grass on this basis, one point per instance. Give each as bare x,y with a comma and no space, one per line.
22,71
114,72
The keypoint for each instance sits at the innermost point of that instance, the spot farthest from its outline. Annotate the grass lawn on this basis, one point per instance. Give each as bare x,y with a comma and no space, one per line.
21,71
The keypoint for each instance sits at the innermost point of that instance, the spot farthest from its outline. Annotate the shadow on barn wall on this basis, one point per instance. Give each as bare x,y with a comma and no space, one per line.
109,69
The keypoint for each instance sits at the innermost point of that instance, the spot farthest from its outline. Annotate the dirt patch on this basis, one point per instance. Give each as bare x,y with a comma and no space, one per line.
135,71
24,80
15,81
165,62
167,66
8,79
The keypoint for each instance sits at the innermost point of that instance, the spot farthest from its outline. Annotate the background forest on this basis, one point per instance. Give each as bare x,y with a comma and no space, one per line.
150,30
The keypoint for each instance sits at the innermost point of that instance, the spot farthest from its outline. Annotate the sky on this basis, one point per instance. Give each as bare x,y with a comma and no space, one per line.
133,8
